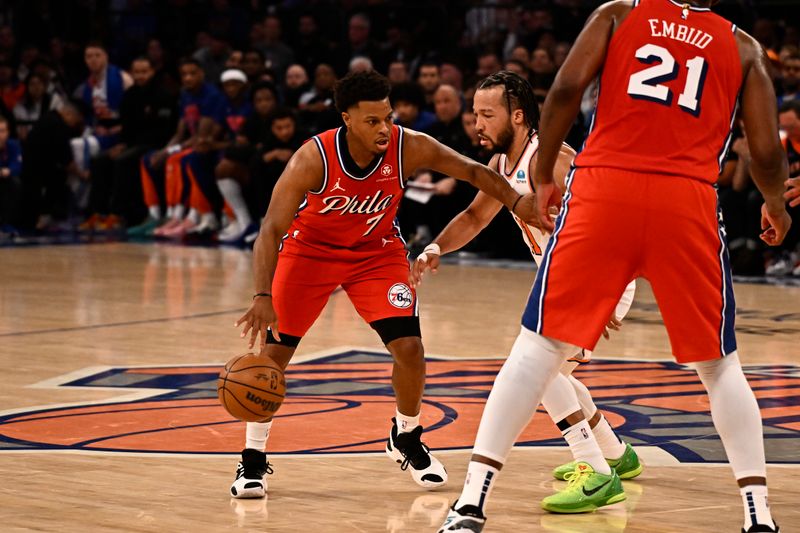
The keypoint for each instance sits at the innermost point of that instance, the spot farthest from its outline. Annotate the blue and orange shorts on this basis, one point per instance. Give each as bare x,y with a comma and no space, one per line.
616,226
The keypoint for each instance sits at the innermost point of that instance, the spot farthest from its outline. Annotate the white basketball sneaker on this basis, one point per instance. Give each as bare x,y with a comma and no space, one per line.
465,519
251,475
408,450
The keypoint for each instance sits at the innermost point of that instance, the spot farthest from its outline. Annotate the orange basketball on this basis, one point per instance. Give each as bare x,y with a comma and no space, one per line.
251,387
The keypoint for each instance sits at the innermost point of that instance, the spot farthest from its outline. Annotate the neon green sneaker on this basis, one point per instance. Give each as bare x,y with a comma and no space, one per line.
586,491
627,466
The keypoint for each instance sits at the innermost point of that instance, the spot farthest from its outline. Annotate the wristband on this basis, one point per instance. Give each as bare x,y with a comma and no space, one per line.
515,203
174,149
256,295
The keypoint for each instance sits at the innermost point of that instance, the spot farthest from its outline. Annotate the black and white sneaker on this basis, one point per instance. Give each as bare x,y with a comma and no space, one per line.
408,450
762,528
465,519
251,475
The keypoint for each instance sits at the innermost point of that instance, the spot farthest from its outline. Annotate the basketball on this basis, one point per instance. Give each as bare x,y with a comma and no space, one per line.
251,387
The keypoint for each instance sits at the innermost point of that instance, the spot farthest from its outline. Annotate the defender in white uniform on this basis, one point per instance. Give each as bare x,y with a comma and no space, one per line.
507,118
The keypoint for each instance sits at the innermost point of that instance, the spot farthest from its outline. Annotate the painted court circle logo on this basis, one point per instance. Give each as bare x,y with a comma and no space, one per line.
400,296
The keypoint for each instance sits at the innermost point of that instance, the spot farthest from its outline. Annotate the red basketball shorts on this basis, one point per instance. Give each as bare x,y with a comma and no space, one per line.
376,282
616,226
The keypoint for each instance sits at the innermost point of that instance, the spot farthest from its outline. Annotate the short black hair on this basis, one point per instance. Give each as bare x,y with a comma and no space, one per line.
283,112
137,59
790,105
360,87
409,92
96,43
518,94
188,60
264,85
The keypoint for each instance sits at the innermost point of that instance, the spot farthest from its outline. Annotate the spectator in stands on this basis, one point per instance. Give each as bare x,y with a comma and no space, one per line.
790,79
233,173
452,75
517,67
10,172
360,64
11,91
429,79
408,101
276,150
295,84
253,64
277,54
398,72
317,110
36,102
163,172
310,48
213,56
101,93
359,43
488,64
542,62
47,158
787,259
147,116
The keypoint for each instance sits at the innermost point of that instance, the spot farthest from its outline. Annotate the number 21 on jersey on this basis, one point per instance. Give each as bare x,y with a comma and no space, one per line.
646,84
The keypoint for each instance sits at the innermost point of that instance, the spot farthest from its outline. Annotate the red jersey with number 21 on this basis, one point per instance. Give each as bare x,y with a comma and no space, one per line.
668,93
354,208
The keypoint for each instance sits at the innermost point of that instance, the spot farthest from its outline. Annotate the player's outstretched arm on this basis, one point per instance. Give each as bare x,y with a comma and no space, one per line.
563,101
460,231
768,165
423,151
303,173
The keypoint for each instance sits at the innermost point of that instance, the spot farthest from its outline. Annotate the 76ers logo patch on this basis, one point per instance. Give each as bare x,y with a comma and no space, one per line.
386,170
400,296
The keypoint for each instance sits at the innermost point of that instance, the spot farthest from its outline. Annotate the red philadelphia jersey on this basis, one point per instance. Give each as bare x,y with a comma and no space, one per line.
354,207
668,93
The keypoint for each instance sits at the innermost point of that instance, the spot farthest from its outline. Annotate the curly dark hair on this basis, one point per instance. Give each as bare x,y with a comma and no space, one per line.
360,87
518,94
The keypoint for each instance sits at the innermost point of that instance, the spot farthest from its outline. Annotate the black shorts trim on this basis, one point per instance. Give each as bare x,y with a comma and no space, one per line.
396,327
286,340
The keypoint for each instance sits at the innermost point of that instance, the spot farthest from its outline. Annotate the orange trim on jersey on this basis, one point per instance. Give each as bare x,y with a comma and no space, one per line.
148,186
533,245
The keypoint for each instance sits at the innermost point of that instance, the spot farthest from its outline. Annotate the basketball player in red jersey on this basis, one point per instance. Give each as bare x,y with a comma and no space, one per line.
640,201
331,224
507,121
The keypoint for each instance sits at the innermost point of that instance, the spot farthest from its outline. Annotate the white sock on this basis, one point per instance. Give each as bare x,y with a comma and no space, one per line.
171,211
478,485
735,413
209,219
154,211
193,215
405,423
584,447
610,444
518,389
257,434
178,211
232,192
756,507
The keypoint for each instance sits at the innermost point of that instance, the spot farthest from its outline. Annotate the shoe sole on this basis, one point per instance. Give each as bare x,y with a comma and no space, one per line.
589,508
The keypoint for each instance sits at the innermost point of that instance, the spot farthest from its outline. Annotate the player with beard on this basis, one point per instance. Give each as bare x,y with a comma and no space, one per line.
507,119
332,223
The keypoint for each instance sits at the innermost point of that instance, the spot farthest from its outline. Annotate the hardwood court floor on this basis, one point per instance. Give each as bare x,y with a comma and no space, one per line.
91,312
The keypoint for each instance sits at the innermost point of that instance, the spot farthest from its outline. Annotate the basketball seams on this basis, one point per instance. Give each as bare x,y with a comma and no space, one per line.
254,388
254,366
244,406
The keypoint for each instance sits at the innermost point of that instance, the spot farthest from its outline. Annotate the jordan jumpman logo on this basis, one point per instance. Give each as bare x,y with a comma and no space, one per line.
336,186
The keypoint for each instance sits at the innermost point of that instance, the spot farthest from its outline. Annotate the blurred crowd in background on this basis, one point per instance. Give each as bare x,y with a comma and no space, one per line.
173,119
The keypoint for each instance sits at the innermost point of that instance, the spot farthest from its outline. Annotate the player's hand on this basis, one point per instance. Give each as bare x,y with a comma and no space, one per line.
792,195
426,260
526,208
256,320
613,324
548,196
775,224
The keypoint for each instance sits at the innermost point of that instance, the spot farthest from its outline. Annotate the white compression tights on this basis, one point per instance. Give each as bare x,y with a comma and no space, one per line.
518,389
735,413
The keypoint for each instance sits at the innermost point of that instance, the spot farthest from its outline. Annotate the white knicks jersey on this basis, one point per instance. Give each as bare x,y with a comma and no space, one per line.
520,179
